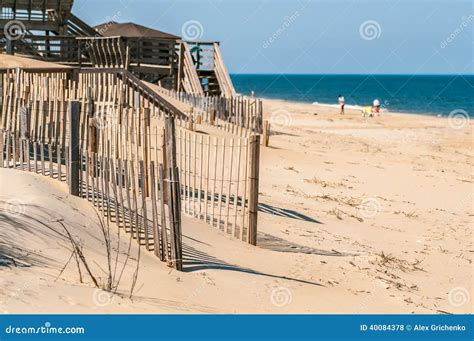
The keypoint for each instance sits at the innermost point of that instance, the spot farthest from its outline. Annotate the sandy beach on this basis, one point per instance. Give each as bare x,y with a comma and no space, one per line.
357,215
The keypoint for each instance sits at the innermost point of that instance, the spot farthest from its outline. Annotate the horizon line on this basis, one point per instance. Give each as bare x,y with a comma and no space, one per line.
354,74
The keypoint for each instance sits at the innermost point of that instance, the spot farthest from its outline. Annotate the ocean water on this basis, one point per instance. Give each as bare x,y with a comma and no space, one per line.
426,94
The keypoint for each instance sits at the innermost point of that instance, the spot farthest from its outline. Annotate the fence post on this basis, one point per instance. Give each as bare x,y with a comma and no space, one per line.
145,125
254,153
180,68
190,121
212,118
24,135
74,78
24,123
266,133
165,164
92,133
174,196
127,57
10,46
74,160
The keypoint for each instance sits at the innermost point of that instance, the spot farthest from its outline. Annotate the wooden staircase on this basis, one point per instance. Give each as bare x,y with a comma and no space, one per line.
78,28
202,70
209,82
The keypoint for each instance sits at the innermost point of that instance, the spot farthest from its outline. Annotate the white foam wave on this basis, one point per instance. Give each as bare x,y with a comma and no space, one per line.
348,106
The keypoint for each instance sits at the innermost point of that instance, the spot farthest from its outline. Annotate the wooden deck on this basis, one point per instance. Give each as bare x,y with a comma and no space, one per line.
48,31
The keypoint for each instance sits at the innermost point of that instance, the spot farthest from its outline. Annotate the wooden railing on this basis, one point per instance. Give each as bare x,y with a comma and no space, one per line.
188,79
203,54
55,49
61,5
151,52
109,52
227,87
77,27
194,68
34,15
242,116
148,58
128,88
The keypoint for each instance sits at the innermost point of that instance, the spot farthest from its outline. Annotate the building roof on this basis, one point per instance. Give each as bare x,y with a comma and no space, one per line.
131,30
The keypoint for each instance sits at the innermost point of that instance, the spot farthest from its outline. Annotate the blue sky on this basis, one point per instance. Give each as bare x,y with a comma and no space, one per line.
314,36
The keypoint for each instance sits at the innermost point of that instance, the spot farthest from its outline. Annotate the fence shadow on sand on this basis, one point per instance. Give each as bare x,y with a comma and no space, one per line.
285,213
195,260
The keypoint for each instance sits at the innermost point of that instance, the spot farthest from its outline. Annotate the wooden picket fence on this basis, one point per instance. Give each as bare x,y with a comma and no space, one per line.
217,178
241,116
134,160
129,190
103,150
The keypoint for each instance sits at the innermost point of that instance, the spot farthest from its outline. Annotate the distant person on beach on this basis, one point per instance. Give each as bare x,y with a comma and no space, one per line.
342,103
376,106
371,110
367,111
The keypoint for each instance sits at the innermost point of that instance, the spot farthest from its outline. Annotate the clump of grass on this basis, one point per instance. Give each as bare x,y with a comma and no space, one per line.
348,201
291,189
387,260
411,214
292,168
359,219
337,212
351,201
318,181
113,277
340,214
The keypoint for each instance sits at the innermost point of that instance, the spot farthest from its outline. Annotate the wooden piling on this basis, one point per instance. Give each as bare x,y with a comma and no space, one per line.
266,133
254,168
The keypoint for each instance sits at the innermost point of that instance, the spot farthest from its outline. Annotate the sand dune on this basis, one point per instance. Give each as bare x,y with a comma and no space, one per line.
357,215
